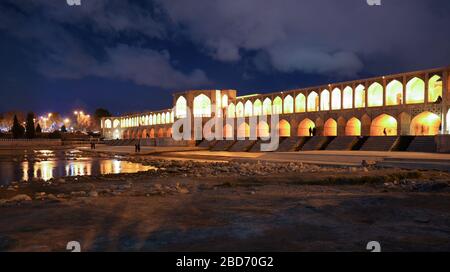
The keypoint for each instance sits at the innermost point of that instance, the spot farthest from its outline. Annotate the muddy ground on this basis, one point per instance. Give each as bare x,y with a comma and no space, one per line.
187,206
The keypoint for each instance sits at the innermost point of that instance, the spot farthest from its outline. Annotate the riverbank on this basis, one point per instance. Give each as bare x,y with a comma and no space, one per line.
233,206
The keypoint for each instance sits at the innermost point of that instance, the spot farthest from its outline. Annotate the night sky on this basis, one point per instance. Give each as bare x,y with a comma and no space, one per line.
130,56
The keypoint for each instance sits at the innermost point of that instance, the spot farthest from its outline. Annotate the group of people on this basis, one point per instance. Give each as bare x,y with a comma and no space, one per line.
137,147
312,131
92,145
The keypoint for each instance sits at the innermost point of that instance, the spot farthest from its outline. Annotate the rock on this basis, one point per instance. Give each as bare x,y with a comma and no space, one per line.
61,195
365,169
421,219
93,194
182,190
52,198
16,199
78,194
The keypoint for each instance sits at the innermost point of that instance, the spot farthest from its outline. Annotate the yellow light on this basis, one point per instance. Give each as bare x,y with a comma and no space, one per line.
75,112
49,115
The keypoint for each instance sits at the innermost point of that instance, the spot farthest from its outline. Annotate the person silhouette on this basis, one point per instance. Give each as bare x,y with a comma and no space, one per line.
384,132
310,131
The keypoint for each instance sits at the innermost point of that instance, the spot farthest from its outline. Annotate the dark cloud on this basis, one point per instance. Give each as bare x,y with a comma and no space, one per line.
60,52
320,36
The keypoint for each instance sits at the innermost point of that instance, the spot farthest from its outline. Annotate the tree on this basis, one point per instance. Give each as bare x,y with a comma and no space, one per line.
30,132
17,129
38,129
63,128
99,114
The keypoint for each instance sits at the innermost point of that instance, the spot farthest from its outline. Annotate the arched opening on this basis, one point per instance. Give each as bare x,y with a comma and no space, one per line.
263,129
125,134
228,131
257,108
353,127
167,117
325,100
224,101
277,105
267,106
108,123
426,123
202,106
394,93
160,133
169,132
248,110
336,99
348,98
152,133
288,104
330,128
415,91
158,119
240,110
300,103
435,89
313,102
360,96
154,119
304,127
375,95
243,130
116,123
383,125
144,134
231,111
284,128
163,118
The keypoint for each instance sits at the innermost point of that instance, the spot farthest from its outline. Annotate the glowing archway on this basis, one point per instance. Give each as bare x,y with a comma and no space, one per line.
257,108
202,106
116,123
240,110
248,108
284,128
300,103
415,91
360,96
243,130
144,134
231,111
152,133
394,93
228,131
353,127
383,125
169,132
263,129
348,98
426,123
325,100
434,89
375,95
288,104
160,133
108,123
277,105
304,127
313,102
336,99
330,128
267,106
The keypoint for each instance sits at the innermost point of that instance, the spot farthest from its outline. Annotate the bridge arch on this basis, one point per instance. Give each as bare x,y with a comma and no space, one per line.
202,106
394,93
330,128
375,95
415,91
425,123
304,126
383,125
284,128
263,129
353,127
325,100
243,130
288,104
300,103
434,88
313,102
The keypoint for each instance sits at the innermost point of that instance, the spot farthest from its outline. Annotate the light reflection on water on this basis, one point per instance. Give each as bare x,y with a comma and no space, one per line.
48,169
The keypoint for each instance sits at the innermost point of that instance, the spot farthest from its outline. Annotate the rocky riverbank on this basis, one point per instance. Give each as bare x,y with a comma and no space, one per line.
183,205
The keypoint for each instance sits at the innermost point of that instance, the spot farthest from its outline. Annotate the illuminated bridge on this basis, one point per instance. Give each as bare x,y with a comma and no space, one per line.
408,111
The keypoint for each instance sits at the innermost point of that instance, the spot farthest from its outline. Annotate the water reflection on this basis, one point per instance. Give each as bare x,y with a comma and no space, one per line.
46,170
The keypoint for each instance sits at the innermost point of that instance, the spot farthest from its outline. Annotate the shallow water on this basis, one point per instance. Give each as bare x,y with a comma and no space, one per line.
48,164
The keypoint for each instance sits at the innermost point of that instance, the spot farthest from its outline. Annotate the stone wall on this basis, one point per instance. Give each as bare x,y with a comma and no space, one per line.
443,143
